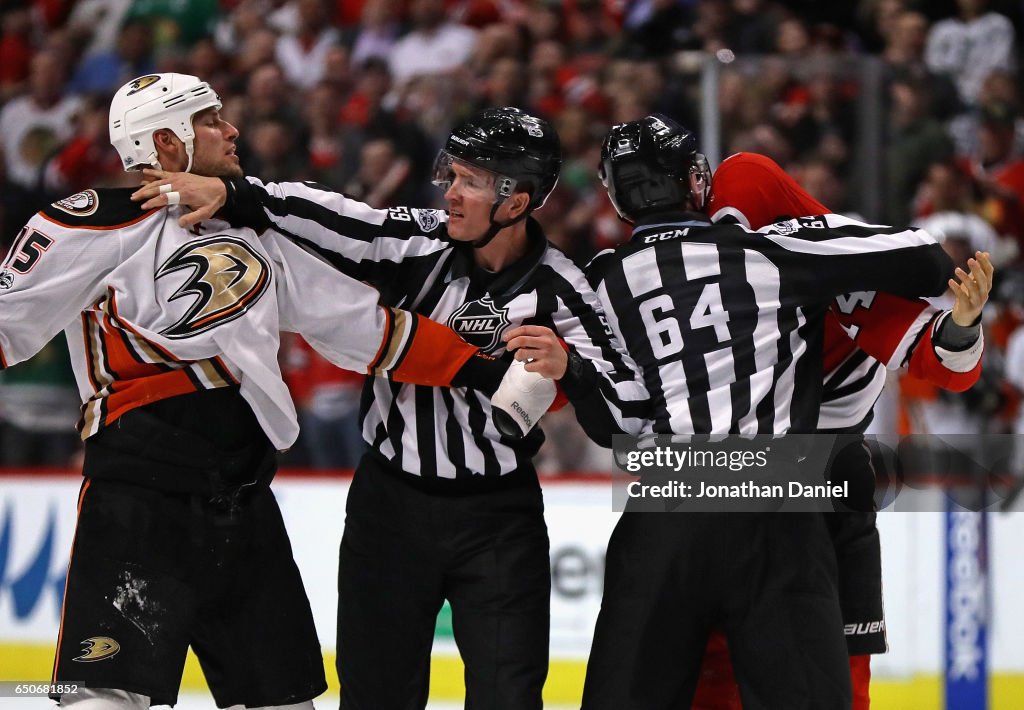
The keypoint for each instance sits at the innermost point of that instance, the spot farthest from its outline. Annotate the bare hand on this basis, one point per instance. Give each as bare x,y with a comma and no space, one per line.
540,348
205,195
972,289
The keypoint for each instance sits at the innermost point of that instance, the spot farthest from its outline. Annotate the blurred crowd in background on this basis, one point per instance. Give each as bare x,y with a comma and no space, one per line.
360,94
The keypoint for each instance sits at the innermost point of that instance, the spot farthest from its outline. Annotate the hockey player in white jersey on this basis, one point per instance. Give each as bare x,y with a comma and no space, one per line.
174,339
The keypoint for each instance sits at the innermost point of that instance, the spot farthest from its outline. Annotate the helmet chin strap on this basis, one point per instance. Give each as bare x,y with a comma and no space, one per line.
189,147
496,226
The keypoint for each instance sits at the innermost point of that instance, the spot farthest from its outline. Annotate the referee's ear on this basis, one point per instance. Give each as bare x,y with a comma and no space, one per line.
518,204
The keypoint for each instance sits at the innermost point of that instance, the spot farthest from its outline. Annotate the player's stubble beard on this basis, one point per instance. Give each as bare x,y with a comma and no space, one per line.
221,169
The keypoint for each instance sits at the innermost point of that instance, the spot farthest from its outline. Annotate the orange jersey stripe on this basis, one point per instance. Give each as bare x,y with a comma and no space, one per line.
434,356
89,355
127,395
136,382
164,353
3,362
122,363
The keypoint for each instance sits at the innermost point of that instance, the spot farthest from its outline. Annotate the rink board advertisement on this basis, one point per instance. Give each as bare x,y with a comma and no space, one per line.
37,519
967,601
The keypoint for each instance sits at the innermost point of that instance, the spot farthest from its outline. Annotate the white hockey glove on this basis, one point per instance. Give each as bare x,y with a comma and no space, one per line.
522,398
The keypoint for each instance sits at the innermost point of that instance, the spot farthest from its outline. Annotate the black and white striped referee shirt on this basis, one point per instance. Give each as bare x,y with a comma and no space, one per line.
407,255
725,323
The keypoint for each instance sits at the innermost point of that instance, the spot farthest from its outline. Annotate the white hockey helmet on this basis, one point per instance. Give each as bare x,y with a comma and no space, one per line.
152,102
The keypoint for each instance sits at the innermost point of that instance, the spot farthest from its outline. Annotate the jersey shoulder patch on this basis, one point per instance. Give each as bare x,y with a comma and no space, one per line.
101,209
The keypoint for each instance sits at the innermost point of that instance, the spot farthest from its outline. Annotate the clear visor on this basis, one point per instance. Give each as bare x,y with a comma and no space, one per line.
471,179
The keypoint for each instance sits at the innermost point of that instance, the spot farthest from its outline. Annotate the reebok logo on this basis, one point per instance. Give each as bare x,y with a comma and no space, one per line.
522,413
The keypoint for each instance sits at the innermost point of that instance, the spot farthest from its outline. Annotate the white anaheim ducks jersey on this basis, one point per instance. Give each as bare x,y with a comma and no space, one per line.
152,310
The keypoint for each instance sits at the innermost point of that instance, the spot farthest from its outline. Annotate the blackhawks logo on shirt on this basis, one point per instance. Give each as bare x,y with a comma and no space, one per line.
480,323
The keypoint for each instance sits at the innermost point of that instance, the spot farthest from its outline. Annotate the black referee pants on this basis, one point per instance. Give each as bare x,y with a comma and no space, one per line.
768,580
404,551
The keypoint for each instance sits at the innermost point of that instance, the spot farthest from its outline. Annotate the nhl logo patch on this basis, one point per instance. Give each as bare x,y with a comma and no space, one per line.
81,204
785,228
427,219
6,279
480,323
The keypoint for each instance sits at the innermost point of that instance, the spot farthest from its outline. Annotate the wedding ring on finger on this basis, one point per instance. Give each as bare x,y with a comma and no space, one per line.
164,189
173,198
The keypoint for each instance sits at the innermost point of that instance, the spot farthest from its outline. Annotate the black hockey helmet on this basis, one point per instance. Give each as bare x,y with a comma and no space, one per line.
652,165
522,151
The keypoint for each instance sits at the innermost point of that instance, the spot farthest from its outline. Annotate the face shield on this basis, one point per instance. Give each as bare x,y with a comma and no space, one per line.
474,181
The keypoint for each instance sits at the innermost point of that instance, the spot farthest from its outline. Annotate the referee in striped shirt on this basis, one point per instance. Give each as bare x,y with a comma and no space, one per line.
726,329
444,506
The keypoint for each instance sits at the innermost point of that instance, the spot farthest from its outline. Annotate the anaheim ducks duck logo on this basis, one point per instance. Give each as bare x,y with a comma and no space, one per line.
227,278
98,648
142,82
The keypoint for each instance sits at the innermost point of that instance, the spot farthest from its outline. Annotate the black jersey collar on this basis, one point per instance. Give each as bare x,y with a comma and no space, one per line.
670,220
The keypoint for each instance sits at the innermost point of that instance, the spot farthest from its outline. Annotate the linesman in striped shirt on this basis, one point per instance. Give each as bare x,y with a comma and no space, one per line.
725,329
865,333
446,505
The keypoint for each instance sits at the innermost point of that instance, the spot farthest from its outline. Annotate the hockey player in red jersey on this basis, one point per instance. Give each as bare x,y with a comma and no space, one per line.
864,334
